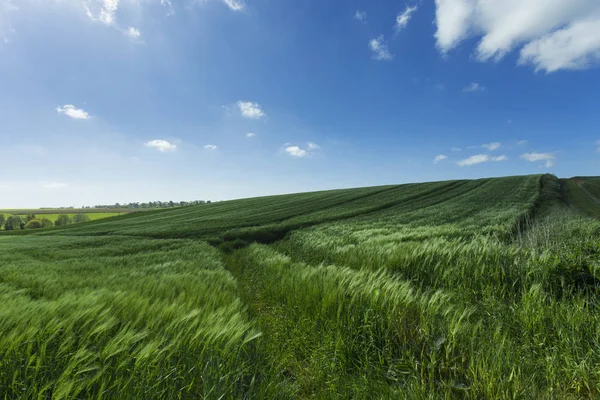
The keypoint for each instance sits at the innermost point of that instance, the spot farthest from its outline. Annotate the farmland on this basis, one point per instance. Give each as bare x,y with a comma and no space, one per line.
54,215
477,289
72,214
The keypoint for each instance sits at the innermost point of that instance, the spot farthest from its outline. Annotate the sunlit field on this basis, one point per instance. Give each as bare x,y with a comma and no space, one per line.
477,289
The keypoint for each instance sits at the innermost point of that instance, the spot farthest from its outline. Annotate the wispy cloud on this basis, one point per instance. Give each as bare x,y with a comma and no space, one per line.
169,6
235,5
250,135
360,15
522,143
439,157
106,13
210,147
480,158
598,144
6,29
70,111
549,158
492,146
380,49
53,185
403,18
133,33
161,145
474,87
250,110
456,149
313,146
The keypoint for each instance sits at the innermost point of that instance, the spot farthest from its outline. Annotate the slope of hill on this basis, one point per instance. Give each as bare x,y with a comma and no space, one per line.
269,218
459,289
583,193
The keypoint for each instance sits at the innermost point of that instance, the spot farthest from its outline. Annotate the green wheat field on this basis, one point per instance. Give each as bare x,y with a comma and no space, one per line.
470,289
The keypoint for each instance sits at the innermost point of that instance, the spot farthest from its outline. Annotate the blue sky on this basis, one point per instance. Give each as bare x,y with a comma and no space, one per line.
105,101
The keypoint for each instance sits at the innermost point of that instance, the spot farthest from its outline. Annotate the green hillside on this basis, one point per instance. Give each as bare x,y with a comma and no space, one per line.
583,193
477,289
496,200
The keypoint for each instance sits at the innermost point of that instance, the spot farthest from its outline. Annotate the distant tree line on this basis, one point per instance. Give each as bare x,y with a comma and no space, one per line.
155,204
16,222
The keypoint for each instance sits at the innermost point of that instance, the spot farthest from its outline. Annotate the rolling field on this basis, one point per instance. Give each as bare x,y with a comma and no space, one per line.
477,289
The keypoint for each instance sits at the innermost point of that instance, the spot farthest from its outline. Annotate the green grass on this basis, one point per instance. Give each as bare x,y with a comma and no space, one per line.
583,194
481,289
120,318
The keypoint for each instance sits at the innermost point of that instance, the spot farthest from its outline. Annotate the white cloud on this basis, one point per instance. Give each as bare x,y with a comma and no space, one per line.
133,33
452,20
161,145
53,185
551,34
106,13
235,5
296,151
210,147
250,135
522,143
403,18
476,159
491,146
574,47
439,158
549,158
474,87
70,111
456,149
380,49
480,158
250,110
360,15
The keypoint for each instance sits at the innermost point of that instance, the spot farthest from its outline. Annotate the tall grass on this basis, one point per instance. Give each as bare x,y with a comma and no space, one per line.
100,321
481,319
